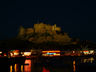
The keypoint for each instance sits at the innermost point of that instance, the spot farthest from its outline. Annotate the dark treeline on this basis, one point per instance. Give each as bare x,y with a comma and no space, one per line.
16,43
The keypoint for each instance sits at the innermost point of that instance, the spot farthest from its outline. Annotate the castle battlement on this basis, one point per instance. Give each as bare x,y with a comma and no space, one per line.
45,32
39,28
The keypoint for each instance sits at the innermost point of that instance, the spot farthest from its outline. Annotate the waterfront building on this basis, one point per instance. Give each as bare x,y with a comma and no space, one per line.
87,51
51,53
36,52
13,53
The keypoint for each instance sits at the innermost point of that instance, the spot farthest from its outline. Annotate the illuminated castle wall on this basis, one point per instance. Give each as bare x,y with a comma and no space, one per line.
24,31
41,28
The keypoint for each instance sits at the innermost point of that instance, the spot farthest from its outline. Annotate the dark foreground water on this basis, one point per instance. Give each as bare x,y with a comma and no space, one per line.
32,68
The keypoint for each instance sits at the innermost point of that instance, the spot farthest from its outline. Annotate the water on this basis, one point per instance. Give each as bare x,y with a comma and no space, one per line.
32,68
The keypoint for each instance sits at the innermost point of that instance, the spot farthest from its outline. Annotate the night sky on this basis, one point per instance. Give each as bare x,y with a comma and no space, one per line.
76,17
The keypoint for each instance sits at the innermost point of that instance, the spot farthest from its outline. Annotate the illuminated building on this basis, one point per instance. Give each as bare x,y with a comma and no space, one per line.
51,53
27,53
86,52
0,52
13,53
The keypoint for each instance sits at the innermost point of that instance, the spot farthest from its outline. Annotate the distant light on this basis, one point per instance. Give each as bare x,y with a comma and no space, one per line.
80,51
11,54
12,50
16,53
57,54
0,52
27,53
51,53
21,52
22,55
86,51
91,51
73,51
5,55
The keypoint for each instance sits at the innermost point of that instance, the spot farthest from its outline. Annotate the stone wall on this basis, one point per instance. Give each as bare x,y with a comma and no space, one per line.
22,31
29,30
62,38
42,27
58,28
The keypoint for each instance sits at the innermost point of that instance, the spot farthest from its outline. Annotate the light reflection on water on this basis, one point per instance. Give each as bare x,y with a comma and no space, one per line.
74,67
32,68
16,67
27,67
45,70
11,68
21,68
24,68
89,59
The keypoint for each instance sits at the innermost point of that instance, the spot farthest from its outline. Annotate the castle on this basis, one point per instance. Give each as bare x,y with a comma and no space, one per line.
39,28
42,28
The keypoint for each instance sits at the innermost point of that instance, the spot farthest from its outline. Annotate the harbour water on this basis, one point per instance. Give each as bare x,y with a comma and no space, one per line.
32,68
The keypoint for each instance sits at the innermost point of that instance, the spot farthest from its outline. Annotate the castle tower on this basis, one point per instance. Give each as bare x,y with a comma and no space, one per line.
40,28
21,30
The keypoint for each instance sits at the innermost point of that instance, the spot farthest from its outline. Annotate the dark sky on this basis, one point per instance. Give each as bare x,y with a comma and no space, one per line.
76,17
